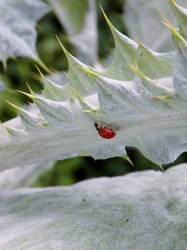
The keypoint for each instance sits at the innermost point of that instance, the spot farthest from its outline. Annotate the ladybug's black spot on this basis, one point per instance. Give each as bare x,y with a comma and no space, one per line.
106,133
101,133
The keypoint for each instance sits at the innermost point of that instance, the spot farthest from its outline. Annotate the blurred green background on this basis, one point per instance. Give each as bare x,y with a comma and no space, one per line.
22,70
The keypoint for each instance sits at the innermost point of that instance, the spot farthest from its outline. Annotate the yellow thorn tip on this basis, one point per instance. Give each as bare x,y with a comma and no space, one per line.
39,71
4,65
13,105
105,16
161,97
27,94
167,23
29,88
61,45
87,70
42,64
129,160
162,169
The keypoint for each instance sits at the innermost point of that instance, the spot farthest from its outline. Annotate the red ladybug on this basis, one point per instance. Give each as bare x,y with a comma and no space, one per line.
104,132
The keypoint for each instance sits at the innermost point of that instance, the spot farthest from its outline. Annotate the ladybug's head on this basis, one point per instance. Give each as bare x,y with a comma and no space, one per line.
97,126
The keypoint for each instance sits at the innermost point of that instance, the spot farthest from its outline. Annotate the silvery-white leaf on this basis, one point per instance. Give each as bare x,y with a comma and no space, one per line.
143,210
58,77
17,27
144,22
79,18
2,86
143,101
22,177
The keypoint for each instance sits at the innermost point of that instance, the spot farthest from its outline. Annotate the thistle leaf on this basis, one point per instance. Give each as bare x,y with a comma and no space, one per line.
17,27
180,72
149,110
2,86
180,13
22,177
143,20
142,210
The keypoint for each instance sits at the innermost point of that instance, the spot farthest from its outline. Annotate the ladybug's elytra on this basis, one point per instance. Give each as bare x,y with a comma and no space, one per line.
104,132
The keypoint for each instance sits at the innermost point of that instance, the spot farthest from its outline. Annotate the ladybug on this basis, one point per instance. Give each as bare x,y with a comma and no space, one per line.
104,132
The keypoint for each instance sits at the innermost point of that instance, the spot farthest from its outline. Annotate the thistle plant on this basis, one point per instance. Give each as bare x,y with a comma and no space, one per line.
142,18
141,96
17,39
142,93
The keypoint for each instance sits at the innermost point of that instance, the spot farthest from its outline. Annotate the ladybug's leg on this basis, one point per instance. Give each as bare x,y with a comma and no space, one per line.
112,127
116,128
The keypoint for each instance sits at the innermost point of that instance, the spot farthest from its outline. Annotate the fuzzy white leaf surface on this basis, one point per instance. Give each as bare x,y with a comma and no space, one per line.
144,22
17,27
2,86
22,177
144,101
143,210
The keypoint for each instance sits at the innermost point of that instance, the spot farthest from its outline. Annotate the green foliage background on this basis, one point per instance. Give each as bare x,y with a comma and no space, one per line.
22,70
